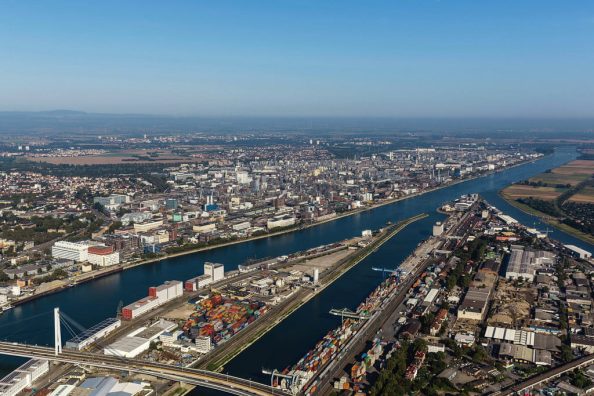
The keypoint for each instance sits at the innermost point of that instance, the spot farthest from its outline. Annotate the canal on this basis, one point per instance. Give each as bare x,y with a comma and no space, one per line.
92,302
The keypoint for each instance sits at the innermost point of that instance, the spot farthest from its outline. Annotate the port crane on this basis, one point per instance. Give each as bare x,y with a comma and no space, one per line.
396,272
347,313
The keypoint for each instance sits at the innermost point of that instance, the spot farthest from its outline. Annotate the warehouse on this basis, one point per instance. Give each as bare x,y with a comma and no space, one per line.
70,251
216,271
523,263
474,305
430,297
128,347
103,256
93,334
578,252
158,295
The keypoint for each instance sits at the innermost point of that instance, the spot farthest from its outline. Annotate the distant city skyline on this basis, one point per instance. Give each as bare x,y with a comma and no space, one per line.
300,58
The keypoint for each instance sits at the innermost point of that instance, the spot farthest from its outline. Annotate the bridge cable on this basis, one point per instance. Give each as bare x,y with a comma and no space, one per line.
99,343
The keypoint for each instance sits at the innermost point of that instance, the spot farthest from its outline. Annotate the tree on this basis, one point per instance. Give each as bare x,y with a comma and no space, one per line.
426,322
4,277
566,353
114,226
420,345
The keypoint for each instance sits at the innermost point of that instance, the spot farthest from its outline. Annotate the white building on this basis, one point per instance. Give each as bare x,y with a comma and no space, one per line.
579,252
203,344
128,347
147,226
112,202
215,270
23,377
438,228
280,221
62,390
243,177
70,251
103,256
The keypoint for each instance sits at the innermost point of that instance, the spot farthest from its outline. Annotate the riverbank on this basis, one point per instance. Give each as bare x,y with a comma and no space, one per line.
548,219
112,270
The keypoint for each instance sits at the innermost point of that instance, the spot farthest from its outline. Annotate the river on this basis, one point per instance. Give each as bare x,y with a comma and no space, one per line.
94,301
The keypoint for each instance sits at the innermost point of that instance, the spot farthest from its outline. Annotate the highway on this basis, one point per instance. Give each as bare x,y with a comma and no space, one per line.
208,379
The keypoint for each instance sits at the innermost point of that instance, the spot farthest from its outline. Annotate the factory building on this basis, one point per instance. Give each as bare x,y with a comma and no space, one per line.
523,263
438,228
93,334
128,347
280,221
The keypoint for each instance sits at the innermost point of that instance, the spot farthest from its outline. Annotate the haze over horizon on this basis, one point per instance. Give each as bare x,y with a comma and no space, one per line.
300,58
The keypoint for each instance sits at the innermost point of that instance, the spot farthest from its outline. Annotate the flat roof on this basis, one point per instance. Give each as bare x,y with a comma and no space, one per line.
91,331
128,344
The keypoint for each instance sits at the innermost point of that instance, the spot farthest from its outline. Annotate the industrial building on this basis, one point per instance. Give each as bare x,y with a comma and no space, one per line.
108,386
70,251
280,222
438,228
523,262
579,252
93,334
474,305
128,347
216,271
158,295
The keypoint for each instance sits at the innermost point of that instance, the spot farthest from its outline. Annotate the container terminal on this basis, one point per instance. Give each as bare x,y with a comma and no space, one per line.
206,320
313,373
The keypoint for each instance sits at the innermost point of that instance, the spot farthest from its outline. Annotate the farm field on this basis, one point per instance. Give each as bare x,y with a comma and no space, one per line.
120,157
585,195
541,196
524,191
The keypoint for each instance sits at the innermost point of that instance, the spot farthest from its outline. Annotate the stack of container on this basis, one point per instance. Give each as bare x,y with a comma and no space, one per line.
329,347
220,319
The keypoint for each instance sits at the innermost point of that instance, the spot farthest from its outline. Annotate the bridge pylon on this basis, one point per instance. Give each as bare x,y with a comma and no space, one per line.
57,332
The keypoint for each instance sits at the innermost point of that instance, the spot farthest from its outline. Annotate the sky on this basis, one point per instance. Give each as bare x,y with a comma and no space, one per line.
365,58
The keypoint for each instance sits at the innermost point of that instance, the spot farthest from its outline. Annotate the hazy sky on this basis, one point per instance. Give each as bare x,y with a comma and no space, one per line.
397,58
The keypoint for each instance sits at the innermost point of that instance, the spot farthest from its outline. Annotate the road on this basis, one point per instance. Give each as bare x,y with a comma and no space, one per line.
208,379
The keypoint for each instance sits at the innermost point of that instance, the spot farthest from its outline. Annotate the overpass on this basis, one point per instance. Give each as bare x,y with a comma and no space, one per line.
204,378
548,375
